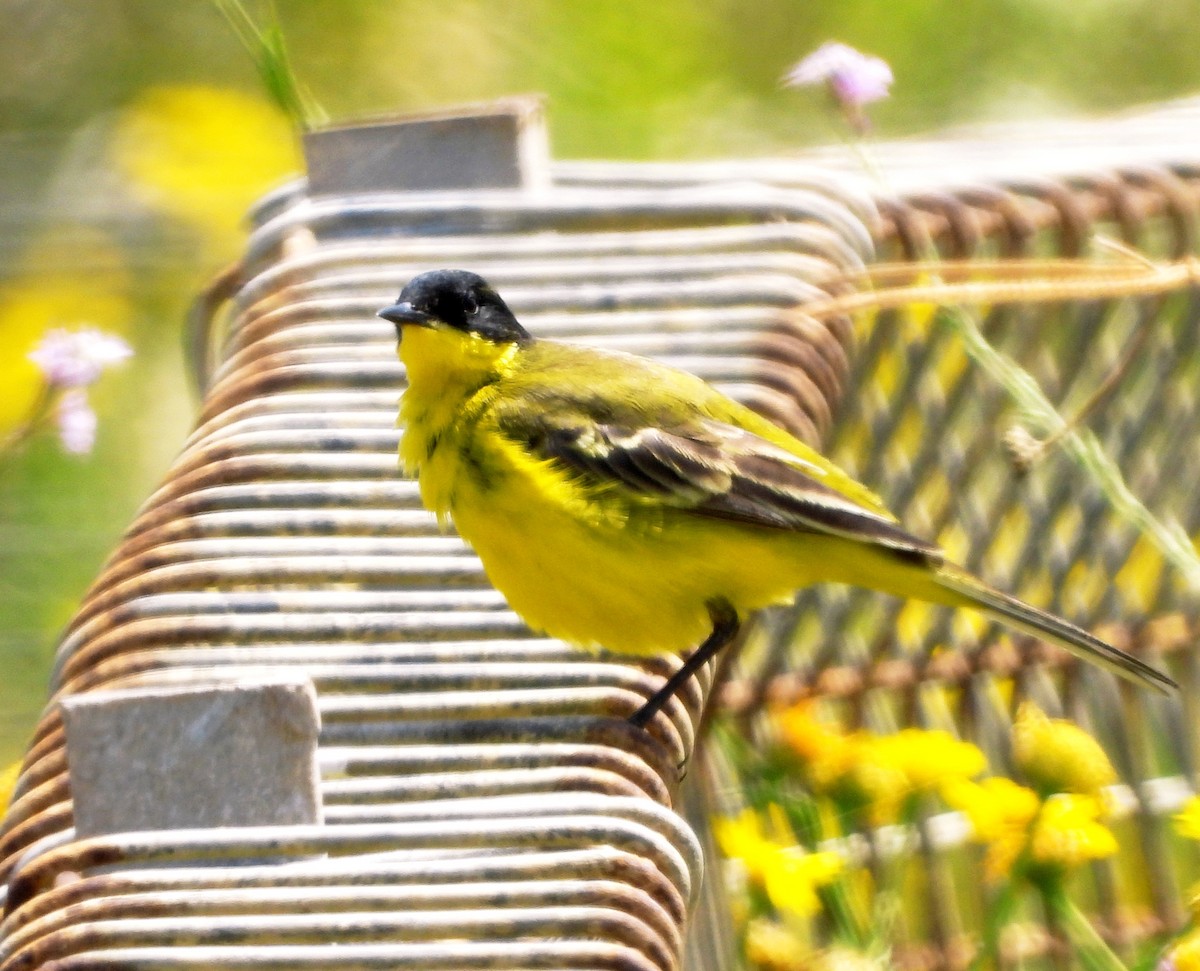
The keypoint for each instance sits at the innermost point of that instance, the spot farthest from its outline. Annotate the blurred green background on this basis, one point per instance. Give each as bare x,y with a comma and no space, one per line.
134,133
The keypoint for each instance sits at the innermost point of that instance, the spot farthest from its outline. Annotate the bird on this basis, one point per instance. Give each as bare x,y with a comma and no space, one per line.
622,504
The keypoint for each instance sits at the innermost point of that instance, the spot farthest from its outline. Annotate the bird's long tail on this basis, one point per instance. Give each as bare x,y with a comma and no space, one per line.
1029,620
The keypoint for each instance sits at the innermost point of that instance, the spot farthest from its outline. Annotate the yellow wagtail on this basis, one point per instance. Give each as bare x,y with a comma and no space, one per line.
619,503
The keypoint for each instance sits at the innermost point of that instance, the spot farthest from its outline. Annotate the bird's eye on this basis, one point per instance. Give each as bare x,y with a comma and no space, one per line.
470,304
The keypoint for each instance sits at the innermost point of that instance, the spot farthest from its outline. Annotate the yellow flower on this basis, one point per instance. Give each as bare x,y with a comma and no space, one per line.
788,873
773,947
793,875
1061,832
852,766
877,771
1000,813
994,805
1058,756
826,756
891,768
1185,954
877,784
742,838
1187,820
8,782
1069,832
204,154
880,771
930,759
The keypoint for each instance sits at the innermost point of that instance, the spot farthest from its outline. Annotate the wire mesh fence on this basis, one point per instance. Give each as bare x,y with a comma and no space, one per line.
931,431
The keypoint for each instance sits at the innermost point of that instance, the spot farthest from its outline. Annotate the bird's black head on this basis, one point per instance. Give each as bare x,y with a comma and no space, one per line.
458,299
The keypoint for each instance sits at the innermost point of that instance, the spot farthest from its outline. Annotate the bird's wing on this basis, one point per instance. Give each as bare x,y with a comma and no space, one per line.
710,468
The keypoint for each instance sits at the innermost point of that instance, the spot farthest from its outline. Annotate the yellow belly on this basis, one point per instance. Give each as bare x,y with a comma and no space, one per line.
627,589
640,584
613,571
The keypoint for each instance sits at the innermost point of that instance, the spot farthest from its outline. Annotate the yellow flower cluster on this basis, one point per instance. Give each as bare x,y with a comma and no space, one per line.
1069,832
1058,756
826,757
1057,833
789,874
1035,833
1000,813
878,771
928,759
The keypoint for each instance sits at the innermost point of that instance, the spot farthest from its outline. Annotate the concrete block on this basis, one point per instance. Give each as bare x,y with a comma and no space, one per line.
210,755
499,145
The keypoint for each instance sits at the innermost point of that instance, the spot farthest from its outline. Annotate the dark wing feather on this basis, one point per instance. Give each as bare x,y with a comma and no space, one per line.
712,469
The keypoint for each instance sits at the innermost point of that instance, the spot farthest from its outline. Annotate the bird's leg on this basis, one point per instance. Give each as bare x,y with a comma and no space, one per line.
725,627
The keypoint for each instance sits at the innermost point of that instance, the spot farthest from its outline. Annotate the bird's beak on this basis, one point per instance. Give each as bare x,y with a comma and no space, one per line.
404,313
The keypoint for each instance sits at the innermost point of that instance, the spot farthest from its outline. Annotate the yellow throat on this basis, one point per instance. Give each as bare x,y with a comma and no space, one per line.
451,378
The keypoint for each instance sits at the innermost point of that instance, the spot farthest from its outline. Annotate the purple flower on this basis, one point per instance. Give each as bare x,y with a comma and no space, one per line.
70,360
76,421
853,78
74,359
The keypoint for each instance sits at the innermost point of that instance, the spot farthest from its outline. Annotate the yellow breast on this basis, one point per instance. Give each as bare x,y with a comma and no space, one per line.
591,567
451,381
